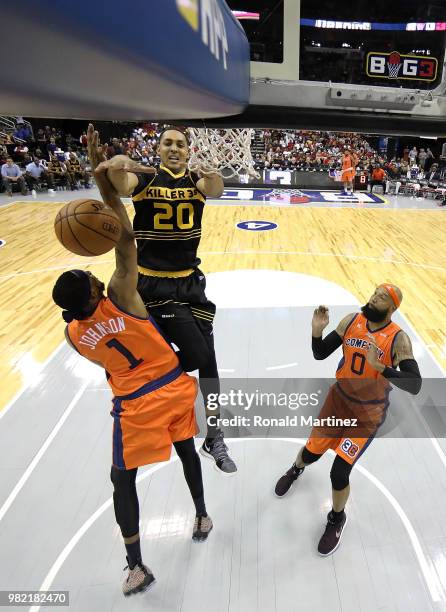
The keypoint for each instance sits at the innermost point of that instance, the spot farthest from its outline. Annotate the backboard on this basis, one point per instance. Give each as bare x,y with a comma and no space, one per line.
383,62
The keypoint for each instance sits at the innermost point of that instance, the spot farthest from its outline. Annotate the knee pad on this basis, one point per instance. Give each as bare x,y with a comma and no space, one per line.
340,474
308,457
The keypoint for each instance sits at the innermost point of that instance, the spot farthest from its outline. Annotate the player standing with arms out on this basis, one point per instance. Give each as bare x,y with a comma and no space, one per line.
349,163
373,347
153,404
169,205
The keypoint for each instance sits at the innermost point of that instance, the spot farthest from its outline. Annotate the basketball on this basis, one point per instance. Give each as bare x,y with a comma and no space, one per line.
87,227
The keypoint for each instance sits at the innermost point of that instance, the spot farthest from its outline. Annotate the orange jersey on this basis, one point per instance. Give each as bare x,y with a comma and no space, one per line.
348,167
354,365
131,349
347,162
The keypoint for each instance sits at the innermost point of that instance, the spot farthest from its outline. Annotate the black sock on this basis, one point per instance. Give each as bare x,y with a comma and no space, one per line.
200,506
212,432
297,471
133,553
337,516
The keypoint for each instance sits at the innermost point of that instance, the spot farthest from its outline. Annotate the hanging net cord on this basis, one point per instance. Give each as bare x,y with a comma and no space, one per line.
218,149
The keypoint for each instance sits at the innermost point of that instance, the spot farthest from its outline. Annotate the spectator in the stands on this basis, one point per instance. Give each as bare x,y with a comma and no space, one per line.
76,172
433,175
377,177
37,173
393,172
83,139
429,159
413,154
20,151
422,155
5,139
3,154
56,134
11,174
41,139
51,146
113,149
68,153
38,153
23,132
135,154
59,172
59,154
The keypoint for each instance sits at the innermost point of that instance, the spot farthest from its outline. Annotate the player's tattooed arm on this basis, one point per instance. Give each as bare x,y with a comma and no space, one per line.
343,324
402,348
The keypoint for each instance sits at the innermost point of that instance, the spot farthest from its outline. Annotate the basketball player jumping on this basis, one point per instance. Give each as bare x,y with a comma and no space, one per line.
373,347
153,404
169,205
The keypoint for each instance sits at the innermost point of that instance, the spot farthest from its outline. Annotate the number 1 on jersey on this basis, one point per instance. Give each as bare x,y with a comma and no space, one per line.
113,343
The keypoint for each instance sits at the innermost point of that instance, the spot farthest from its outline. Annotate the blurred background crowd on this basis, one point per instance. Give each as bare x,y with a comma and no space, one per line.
36,155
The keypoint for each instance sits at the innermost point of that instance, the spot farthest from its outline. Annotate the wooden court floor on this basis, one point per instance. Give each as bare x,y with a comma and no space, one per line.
355,248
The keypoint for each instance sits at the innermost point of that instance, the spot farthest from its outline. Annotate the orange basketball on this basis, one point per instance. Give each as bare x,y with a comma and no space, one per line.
87,227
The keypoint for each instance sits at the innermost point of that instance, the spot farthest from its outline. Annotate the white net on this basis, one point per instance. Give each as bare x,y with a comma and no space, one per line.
393,69
218,149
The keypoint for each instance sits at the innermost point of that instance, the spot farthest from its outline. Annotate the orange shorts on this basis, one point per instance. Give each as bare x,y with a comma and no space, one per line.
348,176
348,441
145,427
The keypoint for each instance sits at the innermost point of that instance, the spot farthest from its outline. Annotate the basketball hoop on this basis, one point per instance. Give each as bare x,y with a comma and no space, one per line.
394,64
219,149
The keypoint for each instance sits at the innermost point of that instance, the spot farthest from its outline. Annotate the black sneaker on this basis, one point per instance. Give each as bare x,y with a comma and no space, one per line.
332,535
284,483
139,579
217,450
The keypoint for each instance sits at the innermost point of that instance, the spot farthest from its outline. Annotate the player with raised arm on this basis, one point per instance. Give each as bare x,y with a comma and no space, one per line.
153,404
373,348
169,204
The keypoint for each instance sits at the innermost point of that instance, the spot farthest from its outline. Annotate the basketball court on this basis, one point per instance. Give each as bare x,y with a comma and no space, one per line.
269,261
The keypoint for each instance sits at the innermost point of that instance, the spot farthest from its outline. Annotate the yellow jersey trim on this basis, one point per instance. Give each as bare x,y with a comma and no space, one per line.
135,197
165,273
175,176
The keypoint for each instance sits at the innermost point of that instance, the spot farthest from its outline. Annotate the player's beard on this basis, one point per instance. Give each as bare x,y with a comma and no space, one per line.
373,314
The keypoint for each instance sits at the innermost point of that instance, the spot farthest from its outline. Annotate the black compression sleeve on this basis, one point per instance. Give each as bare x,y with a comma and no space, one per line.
323,348
408,378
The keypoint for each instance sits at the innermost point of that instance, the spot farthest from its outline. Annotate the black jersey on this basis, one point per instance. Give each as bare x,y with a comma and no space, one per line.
167,223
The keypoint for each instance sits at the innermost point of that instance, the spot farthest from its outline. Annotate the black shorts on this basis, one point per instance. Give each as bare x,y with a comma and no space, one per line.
182,296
